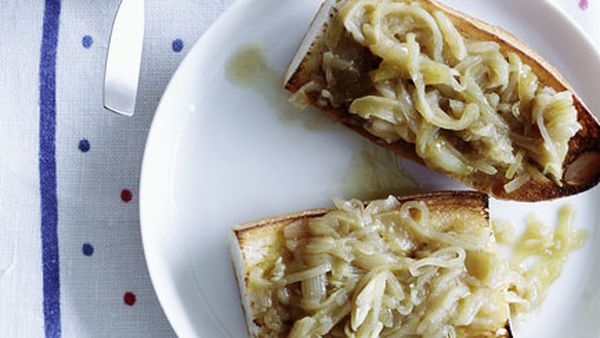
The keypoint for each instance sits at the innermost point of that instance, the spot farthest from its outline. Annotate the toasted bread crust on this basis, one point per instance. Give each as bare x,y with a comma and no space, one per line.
581,171
250,238
448,201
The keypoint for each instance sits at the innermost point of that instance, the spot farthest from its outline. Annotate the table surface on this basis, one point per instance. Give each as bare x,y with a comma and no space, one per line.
71,258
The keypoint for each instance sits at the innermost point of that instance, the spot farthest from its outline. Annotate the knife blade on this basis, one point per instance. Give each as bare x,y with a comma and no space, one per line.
124,57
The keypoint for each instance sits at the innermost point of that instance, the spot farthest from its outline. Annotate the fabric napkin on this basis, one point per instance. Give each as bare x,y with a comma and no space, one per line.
71,259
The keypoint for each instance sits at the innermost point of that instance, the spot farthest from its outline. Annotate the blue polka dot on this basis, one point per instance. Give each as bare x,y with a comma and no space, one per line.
177,45
84,146
87,249
87,41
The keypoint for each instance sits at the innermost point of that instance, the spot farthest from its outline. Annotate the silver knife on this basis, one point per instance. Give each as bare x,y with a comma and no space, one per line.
124,58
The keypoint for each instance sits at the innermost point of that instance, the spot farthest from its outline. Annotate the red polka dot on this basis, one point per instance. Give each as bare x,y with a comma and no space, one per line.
126,195
129,298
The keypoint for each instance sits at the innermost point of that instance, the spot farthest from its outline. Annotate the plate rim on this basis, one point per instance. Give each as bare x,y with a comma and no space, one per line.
179,326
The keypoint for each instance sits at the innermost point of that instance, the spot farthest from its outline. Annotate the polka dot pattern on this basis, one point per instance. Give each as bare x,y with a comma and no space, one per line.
84,146
87,249
177,45
87,41
584,4
126,195
129,298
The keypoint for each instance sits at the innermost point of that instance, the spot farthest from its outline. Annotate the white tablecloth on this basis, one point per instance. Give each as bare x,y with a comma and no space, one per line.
71,259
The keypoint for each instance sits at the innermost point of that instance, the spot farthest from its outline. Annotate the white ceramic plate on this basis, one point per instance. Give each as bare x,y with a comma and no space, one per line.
218,155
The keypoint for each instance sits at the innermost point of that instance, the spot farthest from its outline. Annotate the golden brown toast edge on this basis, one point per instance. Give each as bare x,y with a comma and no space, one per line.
582,171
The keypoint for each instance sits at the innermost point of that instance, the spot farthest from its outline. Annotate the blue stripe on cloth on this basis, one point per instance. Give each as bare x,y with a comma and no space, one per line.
47,167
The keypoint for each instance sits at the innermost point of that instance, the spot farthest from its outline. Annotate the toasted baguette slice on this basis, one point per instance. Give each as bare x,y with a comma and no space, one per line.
251,242
581,169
